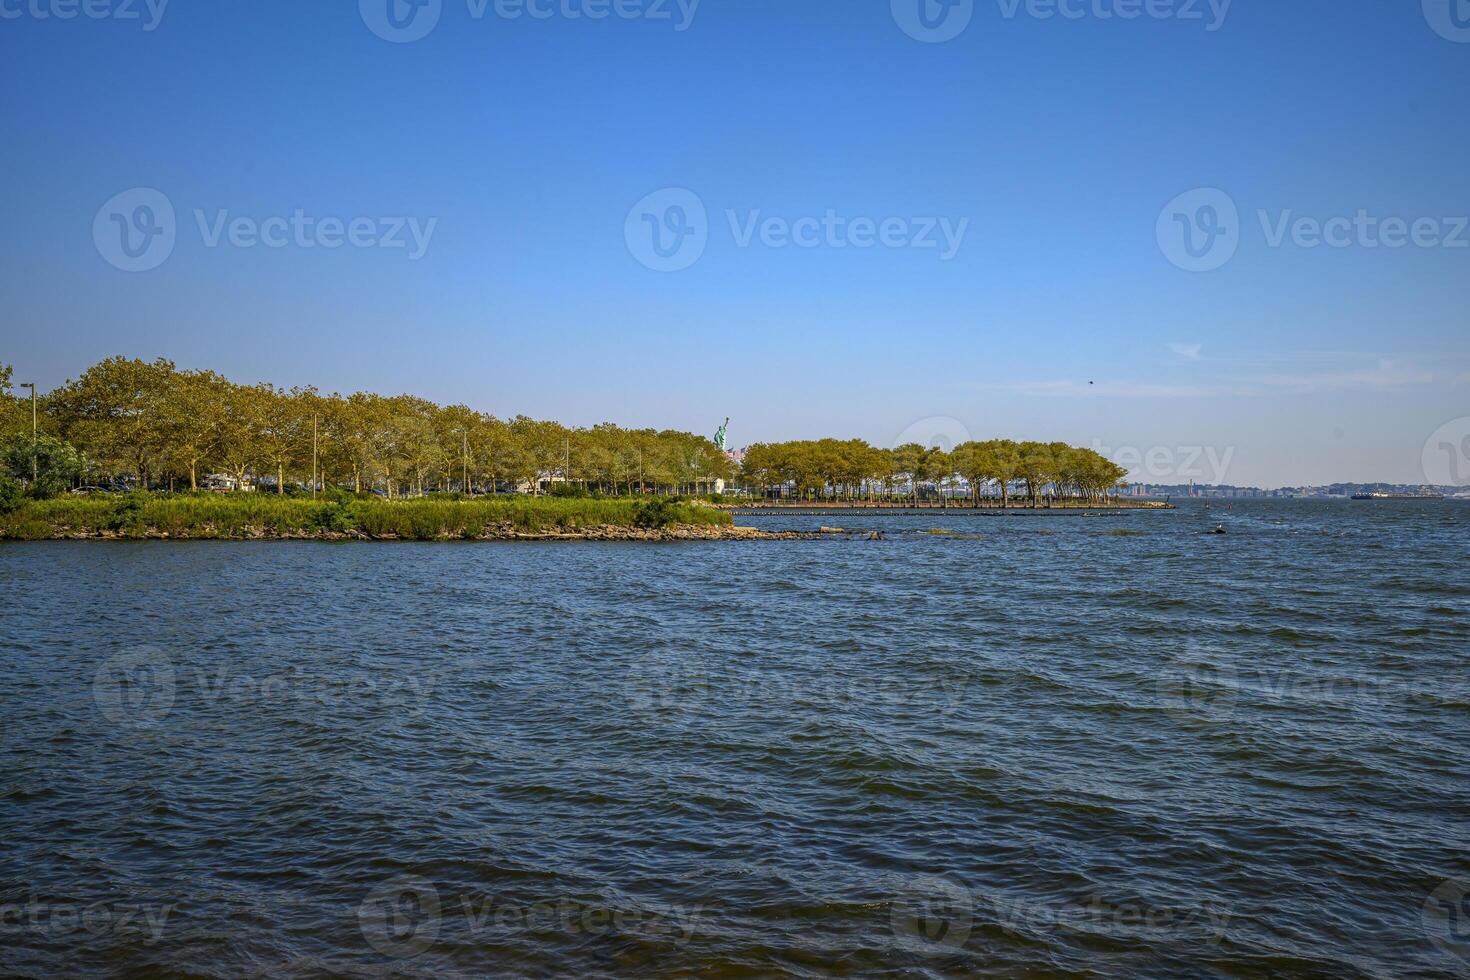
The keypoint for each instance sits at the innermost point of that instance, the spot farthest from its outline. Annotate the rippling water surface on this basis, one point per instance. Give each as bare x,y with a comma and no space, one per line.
1039,745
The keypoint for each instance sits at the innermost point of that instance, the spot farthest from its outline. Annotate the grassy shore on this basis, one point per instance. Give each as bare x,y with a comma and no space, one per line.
259,515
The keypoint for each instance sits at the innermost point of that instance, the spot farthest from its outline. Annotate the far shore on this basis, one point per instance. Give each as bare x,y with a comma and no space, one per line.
988,508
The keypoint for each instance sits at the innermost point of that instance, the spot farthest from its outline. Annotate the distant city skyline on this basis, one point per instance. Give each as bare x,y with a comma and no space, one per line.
1186,236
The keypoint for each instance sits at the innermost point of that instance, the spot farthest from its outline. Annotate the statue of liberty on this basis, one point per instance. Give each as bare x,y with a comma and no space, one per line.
721,438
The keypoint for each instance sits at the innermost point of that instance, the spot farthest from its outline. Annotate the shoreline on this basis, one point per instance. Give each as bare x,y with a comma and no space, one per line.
609,532
204,518
843,507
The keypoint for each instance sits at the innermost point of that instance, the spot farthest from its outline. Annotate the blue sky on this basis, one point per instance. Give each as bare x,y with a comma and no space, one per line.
519,146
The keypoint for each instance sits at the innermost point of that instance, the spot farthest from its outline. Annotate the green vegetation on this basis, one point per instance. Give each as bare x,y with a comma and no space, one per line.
150,425
424,519
853,470
160,427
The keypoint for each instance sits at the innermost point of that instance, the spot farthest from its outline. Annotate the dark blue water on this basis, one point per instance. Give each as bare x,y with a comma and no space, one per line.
1042,746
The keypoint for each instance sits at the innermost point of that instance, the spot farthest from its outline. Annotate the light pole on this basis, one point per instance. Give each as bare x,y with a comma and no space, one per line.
313,456
32,385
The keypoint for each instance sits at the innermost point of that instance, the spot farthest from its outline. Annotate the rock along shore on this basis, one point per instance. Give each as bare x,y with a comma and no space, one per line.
606,532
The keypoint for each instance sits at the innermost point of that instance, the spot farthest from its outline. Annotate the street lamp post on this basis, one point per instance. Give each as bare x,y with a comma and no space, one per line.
32,385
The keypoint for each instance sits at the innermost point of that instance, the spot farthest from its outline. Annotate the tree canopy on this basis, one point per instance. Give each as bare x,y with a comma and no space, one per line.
161,425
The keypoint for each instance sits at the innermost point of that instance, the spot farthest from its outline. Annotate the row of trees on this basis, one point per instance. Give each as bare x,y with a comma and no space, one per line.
169,427
853,469
162,426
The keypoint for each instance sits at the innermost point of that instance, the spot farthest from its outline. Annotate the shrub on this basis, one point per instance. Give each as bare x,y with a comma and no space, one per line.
656,513
12,495
331,517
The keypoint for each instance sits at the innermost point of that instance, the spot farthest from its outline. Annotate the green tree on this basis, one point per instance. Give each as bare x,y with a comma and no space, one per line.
46,463
116,409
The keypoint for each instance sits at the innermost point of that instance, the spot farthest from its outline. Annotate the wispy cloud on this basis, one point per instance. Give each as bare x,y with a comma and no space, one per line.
1336,372
1187,351
1386,374
1114,389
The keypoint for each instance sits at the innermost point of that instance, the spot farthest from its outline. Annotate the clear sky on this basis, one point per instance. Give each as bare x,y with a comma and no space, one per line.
1063,303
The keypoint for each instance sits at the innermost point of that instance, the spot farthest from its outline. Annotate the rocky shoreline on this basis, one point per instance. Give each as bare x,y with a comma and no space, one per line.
507,532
